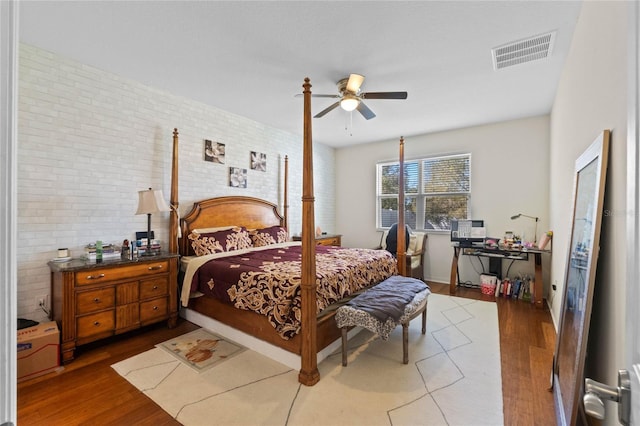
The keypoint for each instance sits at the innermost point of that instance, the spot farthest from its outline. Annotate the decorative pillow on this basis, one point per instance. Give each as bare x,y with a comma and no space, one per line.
266,236
216,229
235,238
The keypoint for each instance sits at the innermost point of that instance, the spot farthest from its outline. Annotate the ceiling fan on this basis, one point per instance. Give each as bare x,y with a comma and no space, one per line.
351,98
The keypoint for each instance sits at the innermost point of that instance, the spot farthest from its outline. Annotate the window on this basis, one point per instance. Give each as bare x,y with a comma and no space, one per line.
436,190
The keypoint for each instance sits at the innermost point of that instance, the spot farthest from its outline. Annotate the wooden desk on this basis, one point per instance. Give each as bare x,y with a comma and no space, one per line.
501,254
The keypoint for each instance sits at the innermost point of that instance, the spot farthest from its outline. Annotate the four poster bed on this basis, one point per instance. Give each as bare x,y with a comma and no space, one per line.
226,242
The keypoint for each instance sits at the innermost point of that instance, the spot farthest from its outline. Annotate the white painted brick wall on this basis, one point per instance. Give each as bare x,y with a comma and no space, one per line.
89,141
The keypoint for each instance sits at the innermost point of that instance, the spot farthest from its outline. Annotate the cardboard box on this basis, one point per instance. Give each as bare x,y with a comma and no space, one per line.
38,350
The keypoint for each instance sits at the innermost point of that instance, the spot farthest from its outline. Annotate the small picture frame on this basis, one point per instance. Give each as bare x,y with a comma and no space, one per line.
237,177
258,161
213,151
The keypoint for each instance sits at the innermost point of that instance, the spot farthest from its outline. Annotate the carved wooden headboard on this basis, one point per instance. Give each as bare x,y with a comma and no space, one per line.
252,213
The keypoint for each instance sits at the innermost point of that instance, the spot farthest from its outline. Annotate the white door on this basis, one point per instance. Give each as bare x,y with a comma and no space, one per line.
627,391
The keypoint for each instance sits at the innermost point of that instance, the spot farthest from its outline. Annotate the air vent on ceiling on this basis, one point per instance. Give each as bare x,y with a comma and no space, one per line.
527,50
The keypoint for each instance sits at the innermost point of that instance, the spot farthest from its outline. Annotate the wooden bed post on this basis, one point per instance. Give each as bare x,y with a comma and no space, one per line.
309,374
402,264
173,218
286,195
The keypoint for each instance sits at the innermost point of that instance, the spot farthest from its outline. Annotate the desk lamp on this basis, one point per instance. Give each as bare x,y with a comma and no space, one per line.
535,235
149,202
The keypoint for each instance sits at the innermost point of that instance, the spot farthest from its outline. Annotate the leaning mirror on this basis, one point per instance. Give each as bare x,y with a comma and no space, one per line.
582,259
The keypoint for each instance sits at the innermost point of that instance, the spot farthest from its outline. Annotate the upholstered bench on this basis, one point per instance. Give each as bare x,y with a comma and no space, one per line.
396,300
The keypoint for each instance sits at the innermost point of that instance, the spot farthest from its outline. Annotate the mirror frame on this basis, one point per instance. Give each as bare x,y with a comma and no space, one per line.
580,275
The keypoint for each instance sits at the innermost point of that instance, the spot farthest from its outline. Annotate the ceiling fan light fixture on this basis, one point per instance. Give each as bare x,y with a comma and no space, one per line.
349,102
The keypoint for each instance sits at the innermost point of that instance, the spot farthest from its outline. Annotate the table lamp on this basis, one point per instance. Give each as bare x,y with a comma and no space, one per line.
535,234
150,201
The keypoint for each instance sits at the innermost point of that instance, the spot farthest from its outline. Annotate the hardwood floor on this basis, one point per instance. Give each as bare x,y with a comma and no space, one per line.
89,391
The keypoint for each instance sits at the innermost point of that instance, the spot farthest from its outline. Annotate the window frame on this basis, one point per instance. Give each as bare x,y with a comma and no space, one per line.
421,195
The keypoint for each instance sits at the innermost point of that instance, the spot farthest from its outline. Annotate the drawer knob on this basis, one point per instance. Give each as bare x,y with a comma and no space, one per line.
155,267
155,308
97,300
97,323
155,287
95,277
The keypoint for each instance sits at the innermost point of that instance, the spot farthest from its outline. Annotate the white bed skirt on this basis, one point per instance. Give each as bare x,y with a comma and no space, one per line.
267,349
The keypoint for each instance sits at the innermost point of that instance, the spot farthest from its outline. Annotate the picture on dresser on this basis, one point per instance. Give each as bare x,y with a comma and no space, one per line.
213,151
258,161
237,177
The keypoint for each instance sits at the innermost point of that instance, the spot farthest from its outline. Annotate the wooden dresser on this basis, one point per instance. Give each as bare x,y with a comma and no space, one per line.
91,301
325,240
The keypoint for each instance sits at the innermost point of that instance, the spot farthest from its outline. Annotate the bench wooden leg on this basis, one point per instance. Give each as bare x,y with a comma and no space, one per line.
405,343
424,320
344,346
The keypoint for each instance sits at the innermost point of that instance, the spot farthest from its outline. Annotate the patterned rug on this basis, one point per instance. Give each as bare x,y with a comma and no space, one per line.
453,378
200,349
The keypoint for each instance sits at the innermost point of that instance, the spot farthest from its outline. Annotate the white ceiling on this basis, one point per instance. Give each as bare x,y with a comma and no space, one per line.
250,58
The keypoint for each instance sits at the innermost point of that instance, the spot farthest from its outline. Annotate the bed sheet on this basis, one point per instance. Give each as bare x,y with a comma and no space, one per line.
266,280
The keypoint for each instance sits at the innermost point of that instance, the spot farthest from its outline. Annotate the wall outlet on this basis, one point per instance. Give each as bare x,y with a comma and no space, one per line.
42,301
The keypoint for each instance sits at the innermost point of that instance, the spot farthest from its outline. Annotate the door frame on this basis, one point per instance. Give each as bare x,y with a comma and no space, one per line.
632,314
8,214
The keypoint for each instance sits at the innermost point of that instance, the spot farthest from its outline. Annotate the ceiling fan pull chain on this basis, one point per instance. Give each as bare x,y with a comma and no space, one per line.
351,119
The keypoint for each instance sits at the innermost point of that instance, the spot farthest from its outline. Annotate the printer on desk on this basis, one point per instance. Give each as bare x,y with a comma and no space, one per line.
468,232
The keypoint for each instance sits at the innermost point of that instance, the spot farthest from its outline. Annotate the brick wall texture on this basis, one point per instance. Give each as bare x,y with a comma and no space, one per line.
90,140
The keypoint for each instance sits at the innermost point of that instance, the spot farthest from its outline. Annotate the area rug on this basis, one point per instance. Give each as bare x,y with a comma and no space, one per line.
453,378
201,349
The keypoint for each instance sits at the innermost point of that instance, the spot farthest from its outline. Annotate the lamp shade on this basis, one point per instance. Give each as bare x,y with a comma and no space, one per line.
151,201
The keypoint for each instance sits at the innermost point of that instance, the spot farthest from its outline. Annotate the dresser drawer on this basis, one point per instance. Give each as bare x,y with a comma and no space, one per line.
100,275
154,287
330,241
152,309
89,325
95,300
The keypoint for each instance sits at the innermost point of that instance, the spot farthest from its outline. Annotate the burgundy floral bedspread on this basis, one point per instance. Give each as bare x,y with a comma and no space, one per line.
268,281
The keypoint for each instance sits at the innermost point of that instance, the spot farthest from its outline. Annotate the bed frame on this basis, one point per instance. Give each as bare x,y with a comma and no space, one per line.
316,332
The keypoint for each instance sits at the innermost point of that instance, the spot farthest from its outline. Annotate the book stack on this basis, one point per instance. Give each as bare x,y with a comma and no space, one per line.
519,288
155,246
109,252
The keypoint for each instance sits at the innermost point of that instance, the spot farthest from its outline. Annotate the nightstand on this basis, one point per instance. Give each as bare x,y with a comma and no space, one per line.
91,301
324,240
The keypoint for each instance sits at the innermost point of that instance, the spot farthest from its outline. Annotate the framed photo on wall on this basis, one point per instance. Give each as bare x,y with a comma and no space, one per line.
258,161
237,177
213,151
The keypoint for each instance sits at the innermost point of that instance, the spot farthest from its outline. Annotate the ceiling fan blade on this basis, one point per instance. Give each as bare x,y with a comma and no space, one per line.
384,95
326,110
365,111
354,83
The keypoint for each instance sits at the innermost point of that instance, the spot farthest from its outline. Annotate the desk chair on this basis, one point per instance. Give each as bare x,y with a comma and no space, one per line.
415,252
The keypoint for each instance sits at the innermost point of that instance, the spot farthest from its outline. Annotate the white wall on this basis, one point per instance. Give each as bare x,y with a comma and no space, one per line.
592,96
509,175
90,140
